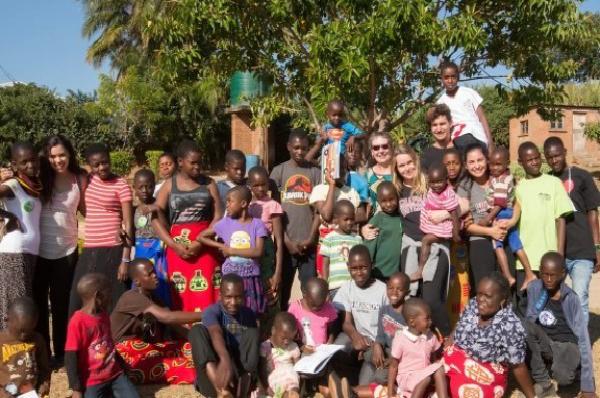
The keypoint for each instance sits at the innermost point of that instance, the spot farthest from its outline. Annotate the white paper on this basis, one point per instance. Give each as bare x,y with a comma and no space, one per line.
315,362
30,394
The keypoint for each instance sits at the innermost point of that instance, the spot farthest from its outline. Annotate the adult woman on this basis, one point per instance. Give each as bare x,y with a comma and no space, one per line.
412,186
439,121
381,152
192,202
63,182
488,339
474,189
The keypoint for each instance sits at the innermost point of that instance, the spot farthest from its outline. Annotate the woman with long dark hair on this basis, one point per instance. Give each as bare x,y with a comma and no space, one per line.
63,183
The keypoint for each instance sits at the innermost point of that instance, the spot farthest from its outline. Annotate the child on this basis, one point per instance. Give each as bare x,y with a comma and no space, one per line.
411,370
147,243
360,300
24,366
295,180
278,356
500,199
90,356
544,203
453,163
470,124
385,250
108,211
354,178
336,246
20,210
315,315
235,167
225,346
440,196
243,246
166,169
270,212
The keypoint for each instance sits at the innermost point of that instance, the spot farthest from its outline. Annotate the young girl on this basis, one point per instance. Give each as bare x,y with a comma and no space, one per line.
278,356
20,238
411,371
453,163
243,246
166,169
440,196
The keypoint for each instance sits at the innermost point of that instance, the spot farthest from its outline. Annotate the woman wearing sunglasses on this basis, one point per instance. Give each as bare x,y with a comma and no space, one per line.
381,148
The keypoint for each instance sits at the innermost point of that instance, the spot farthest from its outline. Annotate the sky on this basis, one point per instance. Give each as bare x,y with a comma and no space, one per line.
41,42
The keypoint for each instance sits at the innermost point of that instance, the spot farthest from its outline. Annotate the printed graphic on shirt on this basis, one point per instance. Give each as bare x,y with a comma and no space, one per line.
569,185
335,134
141,222
19,360
390,326
183,237
410,204
198,282
296,190
28,206
239,240
547,318
179,281
101,353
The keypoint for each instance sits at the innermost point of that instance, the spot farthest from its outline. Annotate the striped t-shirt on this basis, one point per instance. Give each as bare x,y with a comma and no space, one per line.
446,200
337,246
103,211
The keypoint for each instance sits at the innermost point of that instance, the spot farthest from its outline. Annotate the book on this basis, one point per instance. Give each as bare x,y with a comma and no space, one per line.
330,161
314,363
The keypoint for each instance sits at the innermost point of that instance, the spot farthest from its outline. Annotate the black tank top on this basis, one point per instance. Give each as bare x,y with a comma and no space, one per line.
190,206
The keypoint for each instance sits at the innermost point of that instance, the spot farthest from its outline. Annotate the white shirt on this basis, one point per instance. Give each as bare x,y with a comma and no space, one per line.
58,224
27,209
463,108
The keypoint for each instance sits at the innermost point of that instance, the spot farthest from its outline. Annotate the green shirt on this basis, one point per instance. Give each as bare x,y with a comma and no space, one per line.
337,246
543,200
386,248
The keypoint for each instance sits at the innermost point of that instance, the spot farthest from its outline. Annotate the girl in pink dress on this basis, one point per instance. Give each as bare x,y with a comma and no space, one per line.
411,371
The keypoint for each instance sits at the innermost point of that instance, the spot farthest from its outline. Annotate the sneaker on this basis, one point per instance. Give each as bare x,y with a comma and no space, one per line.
546,389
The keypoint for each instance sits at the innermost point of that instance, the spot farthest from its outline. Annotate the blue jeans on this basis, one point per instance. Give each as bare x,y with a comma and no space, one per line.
580,272
512,237
120,387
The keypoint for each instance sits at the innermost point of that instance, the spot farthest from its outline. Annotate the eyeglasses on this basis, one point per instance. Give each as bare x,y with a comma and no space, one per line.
384,147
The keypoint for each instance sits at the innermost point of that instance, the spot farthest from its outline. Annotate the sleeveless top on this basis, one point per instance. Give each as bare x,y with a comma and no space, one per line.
27,209
58,224
190,206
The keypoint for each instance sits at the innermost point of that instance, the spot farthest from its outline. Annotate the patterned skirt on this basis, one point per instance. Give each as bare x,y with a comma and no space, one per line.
16,279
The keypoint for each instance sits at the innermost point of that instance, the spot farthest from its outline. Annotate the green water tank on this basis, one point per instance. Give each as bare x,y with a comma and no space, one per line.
244,85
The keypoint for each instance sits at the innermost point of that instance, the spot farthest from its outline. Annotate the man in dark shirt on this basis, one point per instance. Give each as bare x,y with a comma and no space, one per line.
582,243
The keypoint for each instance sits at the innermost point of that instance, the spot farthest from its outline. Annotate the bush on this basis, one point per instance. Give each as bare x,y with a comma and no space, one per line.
121,162
152,161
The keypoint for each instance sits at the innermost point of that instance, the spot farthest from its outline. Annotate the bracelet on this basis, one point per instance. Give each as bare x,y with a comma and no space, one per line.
125,260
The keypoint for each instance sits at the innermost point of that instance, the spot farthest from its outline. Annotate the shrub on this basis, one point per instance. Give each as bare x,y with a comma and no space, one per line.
121,162
152,160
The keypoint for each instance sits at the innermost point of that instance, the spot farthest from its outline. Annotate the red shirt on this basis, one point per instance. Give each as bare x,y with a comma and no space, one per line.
90,337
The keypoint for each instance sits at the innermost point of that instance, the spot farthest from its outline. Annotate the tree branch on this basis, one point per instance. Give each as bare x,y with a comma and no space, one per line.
312,112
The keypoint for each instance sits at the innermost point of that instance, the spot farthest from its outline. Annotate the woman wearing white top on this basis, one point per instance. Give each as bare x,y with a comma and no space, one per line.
63,183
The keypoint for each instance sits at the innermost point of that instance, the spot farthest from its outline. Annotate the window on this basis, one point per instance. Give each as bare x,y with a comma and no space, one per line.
557,124
524,127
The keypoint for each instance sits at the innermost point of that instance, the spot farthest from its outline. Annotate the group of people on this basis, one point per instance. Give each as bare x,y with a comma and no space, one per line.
193,283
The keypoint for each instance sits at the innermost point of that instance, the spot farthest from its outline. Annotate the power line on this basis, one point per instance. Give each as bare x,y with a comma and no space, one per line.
8,75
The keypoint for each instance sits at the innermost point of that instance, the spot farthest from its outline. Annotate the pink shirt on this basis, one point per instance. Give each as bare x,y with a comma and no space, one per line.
446,200
414,355
318,320
265,210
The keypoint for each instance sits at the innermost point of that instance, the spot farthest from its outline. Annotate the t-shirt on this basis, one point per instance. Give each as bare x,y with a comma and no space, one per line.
552,320
90,337
265,210
478,203
359,184
27,209
364,304
295,185
128,319
445,200
348,130
373,180
502,191
24,363
240,236
315,322
584,194
103,199
431,156
386,248
410,207
337,246
390,322
233,326
463,108
543,199
143,225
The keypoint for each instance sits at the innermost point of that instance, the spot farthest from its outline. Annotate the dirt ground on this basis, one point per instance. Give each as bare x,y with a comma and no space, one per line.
59,386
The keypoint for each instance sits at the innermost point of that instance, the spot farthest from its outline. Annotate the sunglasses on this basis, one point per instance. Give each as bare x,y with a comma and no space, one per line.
383,147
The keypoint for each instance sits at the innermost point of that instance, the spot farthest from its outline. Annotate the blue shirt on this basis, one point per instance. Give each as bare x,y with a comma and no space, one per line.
359,183
349,131
232,325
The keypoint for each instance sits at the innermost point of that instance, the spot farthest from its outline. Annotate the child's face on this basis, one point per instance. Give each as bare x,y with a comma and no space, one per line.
314,298
298,148
190,164
21,327
422,321
166,167
144,188
354,157
335,114
531,162
282,335
397,290
232,297
235,204
437,181
345,221
388,200
26,162
556,158
100,165
236,169
498,164
453,165
359,267
450,79
259,185
551,274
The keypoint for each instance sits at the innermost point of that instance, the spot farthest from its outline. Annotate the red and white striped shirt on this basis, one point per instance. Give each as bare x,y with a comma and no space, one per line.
103,211
446,200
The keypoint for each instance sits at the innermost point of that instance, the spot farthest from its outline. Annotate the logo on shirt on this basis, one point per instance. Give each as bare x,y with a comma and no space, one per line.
547,318
141,222
569,185
335,134
239,240
296,190
28,206
178,281
198,282
183,237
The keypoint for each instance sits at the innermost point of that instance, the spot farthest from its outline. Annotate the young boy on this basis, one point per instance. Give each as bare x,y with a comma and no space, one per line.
385,249
544,203
24,366
360,301
470,124
235,167
295,180
582,242
90,356
225,347
354,178
557,334
337,244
